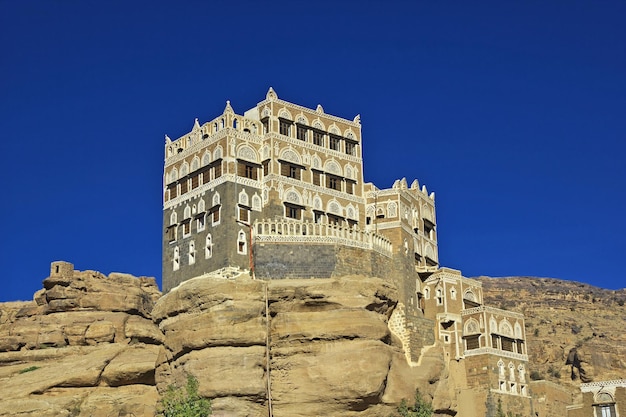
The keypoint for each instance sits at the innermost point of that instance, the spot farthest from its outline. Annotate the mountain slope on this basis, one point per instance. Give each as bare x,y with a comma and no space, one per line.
561,315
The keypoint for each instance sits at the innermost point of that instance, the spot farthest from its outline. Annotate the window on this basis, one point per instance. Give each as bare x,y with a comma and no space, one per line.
429,229
472,342
349,187
194,181
285,127
606,410
316,178
183,186
301,132
318,138
333,182
350,148
217,170
318,216
208,248
200,223
335,143
290,170
439,296
266,167
244,215
242,247
172,189
266,125
176,259
336,220
192,253
292,211
186,228
215,215
171,233
507,344
246,170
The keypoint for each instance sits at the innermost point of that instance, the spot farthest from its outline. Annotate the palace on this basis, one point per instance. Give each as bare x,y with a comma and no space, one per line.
278,191
282,176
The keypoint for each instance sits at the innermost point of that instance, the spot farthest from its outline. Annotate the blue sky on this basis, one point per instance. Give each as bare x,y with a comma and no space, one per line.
512,112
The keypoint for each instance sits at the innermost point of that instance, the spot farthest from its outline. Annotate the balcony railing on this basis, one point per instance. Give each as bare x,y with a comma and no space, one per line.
285,231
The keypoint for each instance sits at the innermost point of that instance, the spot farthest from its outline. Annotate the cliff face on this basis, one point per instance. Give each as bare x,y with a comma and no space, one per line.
91,345
563,315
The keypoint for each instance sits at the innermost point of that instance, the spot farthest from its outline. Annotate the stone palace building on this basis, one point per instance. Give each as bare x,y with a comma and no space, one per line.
279,191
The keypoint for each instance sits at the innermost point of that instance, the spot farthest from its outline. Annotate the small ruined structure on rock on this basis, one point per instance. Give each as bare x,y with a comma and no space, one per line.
278,192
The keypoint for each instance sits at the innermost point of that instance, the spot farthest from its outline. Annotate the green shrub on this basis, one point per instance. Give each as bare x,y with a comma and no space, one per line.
179,402
30,368
419,409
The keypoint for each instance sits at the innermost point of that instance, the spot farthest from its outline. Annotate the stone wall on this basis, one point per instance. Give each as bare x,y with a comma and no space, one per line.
311,260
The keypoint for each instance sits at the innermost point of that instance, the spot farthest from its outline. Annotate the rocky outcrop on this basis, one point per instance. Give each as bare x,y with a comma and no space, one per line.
95,345
86,346
324,344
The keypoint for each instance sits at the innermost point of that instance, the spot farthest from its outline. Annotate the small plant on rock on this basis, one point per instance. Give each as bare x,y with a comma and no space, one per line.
29,369
420,408
184,402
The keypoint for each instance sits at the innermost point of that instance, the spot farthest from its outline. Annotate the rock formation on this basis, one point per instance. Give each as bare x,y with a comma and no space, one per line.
91,345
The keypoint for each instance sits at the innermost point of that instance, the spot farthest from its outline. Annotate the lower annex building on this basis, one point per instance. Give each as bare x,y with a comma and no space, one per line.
279,191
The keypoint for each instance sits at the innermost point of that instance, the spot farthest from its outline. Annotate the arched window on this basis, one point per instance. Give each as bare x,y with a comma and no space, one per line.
192,253
605,406
242,246
427,293
187,212
208,247
176,259
173,218
256,202
439,296
501,369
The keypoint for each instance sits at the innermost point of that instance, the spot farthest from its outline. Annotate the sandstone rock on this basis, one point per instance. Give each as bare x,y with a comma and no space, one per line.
221,328
90,290
329,325
305,375
143,330
63,367
225,371
100,331
135,365
124,401
205,294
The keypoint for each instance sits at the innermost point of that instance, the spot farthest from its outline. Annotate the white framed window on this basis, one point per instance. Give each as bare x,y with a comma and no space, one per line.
176,259
242,245
200,223
208,247
187,228
192,253
243,215
215,215
439,296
